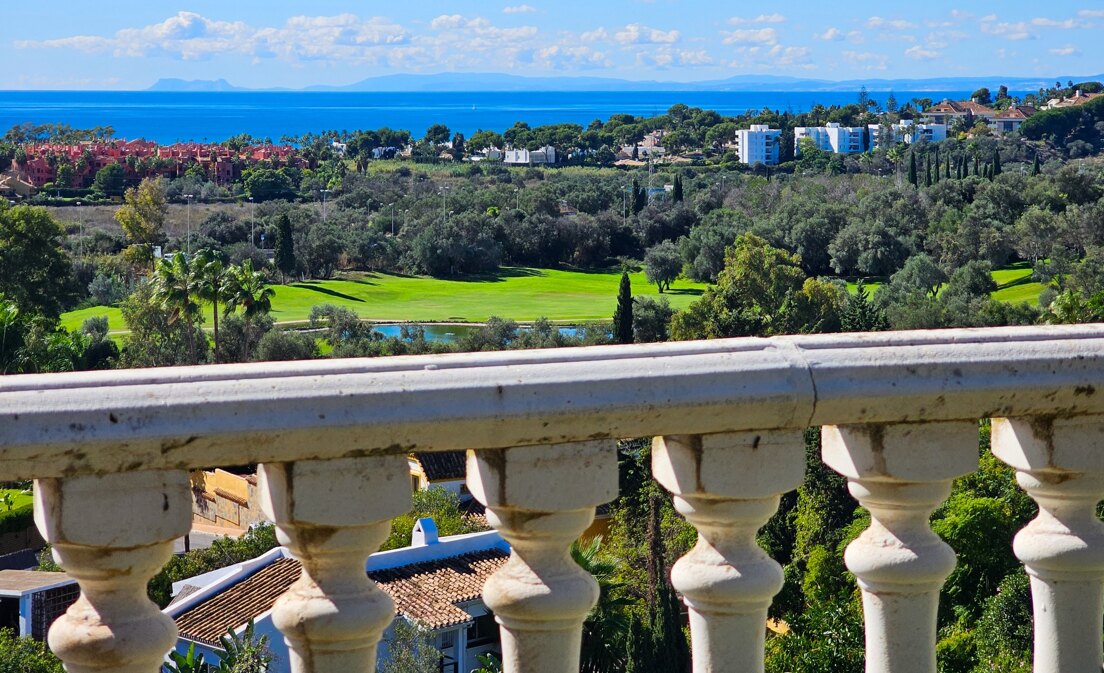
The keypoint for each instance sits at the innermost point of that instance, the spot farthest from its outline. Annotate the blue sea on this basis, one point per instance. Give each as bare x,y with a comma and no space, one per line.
167,117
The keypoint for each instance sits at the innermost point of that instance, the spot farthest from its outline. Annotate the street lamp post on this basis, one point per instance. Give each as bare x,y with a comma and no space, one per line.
80,228
252,224
392,207
324,193
517,193
405,212
189,197
624,206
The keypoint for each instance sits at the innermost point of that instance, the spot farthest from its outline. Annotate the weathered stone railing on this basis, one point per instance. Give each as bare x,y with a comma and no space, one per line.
111,450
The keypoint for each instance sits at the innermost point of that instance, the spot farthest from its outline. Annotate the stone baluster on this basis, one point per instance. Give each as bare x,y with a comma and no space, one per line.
1060,465
900,473
112,533
541,498
728,486
332,515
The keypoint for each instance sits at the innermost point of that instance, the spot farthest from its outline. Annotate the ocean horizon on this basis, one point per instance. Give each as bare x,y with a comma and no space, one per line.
167,117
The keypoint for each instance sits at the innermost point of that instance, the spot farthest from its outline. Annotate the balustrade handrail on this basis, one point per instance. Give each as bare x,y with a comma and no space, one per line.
178,418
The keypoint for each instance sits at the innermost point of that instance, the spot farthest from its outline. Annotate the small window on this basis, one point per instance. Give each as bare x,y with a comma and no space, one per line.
446,640
483,630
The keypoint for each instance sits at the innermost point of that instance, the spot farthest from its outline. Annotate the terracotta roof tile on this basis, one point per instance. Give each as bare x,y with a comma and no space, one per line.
428,592
424,592
1017,112
232,497
235,606
443,465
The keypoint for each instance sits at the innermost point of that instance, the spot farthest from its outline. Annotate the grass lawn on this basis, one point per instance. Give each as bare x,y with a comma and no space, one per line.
19,498
516,293
1014,284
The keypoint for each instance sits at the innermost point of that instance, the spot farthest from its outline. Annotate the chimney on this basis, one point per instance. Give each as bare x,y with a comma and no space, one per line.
424,533
1079,93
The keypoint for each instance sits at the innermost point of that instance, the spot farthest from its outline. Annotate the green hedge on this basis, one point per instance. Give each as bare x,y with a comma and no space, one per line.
17,519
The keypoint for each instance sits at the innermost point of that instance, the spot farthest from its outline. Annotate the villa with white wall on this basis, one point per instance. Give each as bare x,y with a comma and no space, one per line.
436,583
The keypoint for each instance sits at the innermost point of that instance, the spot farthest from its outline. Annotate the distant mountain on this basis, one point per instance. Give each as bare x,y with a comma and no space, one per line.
501,82
172,84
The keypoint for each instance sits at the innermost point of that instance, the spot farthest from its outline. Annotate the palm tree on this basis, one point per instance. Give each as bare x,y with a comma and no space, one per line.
607,625
214,282
250,290
174,289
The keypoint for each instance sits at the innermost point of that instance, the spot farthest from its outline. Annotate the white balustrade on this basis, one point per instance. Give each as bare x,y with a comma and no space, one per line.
332,515
728,486
541,498
111,450
900,473
1060,463
112,533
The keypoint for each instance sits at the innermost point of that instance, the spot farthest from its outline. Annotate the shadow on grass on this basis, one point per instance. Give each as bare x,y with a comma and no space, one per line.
1026,280
497,276
693,291
326,290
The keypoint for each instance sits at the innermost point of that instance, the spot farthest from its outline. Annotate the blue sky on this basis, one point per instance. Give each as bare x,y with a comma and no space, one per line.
128,44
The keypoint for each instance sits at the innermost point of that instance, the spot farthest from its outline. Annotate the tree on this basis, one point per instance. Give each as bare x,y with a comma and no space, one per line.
174,291
623,315
213,282
676,194
109,180
606,624
34,270
982,96
912,176
996,163
662,264
25,655
142,218
410,650
249,291
267,184
245,653
1035,167
285,246
650,319
437,134
281,345
861,315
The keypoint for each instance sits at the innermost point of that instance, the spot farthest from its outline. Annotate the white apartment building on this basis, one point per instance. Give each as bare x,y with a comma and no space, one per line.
758,145
906,131
831,138
545,155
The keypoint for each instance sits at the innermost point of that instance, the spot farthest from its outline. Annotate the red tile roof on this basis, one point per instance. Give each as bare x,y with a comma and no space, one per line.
961,107
1017,112
427,593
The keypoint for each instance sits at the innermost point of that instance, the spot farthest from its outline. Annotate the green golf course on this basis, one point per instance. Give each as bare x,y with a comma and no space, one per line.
518,293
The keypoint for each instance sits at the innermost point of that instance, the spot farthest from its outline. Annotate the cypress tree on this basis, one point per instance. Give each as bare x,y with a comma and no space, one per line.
623,315
927,172
912,177
958,168
937,164
1036,168
677,193
996,163
285,246
639,197
977,165
948,168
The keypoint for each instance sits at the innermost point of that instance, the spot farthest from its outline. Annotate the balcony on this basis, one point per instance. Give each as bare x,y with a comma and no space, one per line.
898,414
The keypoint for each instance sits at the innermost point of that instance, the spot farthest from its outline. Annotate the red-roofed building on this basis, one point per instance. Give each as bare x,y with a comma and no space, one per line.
950,110
1010,120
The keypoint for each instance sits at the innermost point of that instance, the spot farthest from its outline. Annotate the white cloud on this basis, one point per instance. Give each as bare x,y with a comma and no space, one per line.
564,57
1009,30
856,37
695,57
788,55
762,18
751,36
833,34
1068,50
596,35
922,53
867,60
519,9
1067,24
895,24
636,33
1091,13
